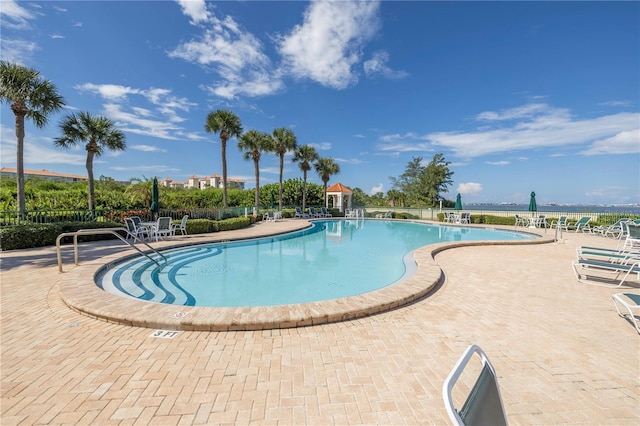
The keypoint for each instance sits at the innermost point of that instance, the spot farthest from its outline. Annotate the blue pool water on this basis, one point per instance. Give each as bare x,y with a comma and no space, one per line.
333,259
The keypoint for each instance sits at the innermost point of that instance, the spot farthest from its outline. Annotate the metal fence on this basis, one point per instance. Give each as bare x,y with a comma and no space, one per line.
12,217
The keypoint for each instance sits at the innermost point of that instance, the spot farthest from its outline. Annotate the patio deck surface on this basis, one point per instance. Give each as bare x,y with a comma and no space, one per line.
561,352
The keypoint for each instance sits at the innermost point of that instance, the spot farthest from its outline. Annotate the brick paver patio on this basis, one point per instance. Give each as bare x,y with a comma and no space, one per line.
561,352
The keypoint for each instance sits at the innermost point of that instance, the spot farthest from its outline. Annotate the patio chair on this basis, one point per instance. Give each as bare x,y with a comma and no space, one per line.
561,223
483,404
135,232
631,302
541,222
182,226
325,212
163,228
465,217
581,225
521,221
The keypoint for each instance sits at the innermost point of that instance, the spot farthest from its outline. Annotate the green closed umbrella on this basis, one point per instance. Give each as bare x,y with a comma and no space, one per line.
533,207
273,201
155,197
458,205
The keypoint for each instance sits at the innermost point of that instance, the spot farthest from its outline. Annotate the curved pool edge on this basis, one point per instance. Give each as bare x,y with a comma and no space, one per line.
78,291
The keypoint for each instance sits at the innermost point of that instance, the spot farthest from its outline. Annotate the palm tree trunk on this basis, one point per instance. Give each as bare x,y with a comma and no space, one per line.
281,169
257,171
304,191
20,113
224,171
90,180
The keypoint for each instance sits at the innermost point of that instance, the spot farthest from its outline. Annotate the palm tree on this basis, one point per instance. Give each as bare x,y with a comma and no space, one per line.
97,132
32,97
326,167
304,156
140,190
284,141
254,143
228,125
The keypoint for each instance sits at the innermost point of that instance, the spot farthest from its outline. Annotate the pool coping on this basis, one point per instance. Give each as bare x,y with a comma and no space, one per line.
79,291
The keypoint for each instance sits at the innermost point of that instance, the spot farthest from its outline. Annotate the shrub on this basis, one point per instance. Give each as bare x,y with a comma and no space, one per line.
40,235
45,234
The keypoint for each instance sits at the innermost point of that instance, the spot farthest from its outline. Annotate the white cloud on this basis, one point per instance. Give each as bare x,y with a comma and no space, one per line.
322,146
621,143
13,15
377,65
195,9
56,36
37,150
529,127
159,121
236,56
326,46
377,189
498,163
147,148
18,51
469,188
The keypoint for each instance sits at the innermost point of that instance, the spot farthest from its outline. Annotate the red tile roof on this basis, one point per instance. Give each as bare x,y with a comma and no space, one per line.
338,187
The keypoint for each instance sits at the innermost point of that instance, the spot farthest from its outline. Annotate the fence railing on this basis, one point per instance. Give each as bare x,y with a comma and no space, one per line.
12,217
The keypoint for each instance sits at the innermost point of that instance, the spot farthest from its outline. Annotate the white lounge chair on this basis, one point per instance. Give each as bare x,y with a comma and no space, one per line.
465,217
483,405
581,225
587,270
631,302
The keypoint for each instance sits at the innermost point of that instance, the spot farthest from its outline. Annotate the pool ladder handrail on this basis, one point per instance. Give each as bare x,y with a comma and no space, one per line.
112,231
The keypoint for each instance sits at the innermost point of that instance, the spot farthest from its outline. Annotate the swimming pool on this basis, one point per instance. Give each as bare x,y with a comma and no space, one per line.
333,259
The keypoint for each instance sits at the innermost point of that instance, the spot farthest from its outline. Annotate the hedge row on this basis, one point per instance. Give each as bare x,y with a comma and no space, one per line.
41,235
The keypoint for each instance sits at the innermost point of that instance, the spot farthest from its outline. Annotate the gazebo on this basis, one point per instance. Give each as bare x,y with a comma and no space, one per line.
340,196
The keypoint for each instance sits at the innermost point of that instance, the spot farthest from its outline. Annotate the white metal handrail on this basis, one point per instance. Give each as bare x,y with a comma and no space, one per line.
112,231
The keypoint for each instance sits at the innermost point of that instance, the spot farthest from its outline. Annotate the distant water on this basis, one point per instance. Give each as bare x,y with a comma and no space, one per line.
577,208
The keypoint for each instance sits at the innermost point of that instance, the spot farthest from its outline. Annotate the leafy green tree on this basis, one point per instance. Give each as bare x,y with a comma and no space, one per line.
284,141
30,97
437,179
254,143
228,125
377,200
395,198
99,133
326,168
422,184
305,156
358,197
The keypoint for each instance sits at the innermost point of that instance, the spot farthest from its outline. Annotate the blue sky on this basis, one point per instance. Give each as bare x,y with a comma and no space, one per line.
518,96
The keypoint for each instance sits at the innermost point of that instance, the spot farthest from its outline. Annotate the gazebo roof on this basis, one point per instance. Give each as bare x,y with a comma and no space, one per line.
338,187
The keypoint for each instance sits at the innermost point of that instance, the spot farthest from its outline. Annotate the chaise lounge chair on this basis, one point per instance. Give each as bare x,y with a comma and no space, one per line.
483,405
631,302
584,269
299,213
581,225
